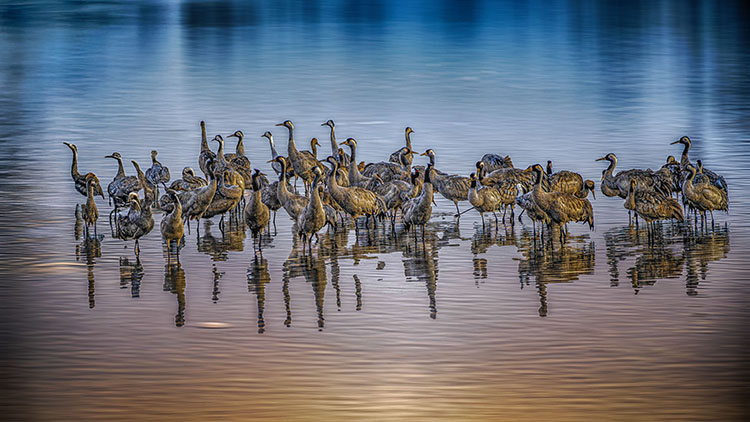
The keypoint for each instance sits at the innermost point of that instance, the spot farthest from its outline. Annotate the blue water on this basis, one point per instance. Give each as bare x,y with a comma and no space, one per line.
477,323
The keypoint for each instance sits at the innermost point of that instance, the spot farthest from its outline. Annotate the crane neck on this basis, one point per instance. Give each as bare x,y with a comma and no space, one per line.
408,140
120,168
74,166
240,149
204,140
610,168
220,154
684,160
273,147
334,145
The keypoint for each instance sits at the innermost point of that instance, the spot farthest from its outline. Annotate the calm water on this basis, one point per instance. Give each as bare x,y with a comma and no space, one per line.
476,324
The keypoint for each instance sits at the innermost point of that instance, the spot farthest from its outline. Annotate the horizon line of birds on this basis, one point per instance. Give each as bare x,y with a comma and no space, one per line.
340,188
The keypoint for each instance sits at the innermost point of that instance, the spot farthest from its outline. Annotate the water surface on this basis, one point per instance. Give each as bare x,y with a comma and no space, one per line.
477,323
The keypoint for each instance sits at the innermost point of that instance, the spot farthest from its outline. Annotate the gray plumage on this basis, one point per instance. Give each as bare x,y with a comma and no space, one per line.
257,214
171,224
619,184
227,197
714,178
157,173
80,179
388,171
453,187
89,212
302,163
356,178
355,201
417,211
206,155
494,162
121,186
312,217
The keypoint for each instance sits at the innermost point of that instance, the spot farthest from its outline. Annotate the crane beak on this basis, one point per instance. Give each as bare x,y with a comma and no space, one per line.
675,142
593,193
280,124
601,159
271,161
424,154
109,156
343,143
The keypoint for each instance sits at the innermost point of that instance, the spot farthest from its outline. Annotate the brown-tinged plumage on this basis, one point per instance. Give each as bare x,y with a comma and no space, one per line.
355,201
652,206
564,181
171,224
313,216
257,214
494,162
417,211
135,222
189,181
508,174
485,198
89,213
704,196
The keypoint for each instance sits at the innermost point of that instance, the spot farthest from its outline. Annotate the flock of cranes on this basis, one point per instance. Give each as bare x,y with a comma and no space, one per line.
339,187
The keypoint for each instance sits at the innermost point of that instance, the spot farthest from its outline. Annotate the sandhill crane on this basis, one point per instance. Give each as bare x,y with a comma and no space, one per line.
171,224
78,178
396,156
121,186
705,196
257,214
652,206
453,187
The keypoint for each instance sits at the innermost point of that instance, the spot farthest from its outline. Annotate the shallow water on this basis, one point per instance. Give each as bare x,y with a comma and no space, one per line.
477,323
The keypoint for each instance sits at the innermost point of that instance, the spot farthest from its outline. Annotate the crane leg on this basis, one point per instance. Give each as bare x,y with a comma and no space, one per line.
458,212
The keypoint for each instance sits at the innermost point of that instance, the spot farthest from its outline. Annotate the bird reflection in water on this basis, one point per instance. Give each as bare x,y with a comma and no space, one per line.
215,284
232,239
421,263
700,249
660,257
483,239
131,273
547,265
174,282
313,268
90,248
257,278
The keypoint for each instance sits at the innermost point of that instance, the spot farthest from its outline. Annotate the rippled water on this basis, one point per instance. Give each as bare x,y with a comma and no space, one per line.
474,324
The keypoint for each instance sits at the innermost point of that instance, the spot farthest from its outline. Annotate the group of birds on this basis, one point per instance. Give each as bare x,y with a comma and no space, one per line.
339,187
649,194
